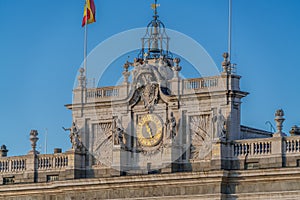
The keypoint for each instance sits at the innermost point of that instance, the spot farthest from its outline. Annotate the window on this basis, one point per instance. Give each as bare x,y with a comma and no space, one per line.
8,180
298,162
252,165
51,178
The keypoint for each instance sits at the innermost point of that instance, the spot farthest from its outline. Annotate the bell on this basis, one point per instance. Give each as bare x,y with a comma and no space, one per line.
154,48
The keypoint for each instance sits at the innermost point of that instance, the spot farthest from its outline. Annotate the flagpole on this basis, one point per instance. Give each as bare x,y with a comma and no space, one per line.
229,28
85,44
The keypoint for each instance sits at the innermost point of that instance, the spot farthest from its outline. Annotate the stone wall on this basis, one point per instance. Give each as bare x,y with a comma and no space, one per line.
282,183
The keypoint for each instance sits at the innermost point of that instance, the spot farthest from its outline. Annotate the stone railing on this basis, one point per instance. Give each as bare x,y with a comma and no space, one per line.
292,144
200,83
252,147
13,164
208,84
100,94
105,92
52,161
44,161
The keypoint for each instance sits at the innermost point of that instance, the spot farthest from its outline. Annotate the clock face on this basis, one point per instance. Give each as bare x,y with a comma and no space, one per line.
149,130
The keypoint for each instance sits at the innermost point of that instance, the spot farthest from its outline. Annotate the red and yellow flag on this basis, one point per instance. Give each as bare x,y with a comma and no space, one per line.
89,13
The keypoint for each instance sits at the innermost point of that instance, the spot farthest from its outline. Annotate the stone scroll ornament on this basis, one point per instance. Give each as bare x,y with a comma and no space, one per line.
200,138
103,142
75,138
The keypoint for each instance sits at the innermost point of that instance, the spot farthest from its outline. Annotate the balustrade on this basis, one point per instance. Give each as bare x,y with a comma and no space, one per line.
52,162
292,145
13,165
103,92
200,83
252,148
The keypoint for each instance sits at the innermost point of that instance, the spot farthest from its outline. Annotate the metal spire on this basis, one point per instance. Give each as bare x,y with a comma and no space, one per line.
155,43
154,7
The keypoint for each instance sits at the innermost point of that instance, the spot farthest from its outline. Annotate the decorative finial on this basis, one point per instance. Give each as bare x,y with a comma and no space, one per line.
226,63
33,139
126,66
226,55
176,68
154,7
3,151
126,73
81,78
295,131
176,61
81,70
279,113
279,119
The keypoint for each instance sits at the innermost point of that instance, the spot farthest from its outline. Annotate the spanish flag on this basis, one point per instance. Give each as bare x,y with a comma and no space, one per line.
89,12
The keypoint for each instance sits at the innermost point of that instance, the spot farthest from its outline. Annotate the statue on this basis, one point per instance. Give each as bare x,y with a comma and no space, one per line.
219,124
172,126
119,134
74,137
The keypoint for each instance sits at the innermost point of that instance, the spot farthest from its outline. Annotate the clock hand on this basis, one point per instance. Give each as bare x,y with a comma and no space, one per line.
149,130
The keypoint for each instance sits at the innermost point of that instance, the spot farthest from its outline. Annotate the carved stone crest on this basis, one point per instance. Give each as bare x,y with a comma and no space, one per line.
149,95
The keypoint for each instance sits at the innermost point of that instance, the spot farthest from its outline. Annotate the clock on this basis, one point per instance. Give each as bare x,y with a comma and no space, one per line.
149,130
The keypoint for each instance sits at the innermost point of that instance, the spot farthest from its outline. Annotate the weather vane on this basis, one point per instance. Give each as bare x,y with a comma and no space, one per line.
155,6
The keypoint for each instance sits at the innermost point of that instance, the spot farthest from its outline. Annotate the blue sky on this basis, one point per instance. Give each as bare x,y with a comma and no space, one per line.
41,49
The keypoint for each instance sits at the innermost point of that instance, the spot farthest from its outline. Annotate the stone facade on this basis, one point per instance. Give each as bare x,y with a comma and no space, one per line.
203,151
280,183
158,136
